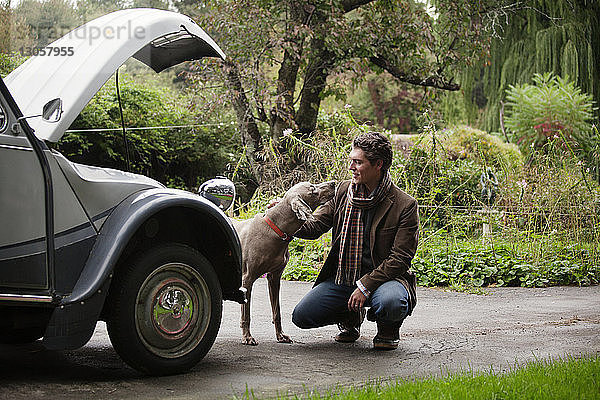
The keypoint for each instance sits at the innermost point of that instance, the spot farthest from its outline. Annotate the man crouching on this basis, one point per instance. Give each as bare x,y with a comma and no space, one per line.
375,231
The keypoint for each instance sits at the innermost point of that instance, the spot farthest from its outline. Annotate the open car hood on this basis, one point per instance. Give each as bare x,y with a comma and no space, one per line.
84,59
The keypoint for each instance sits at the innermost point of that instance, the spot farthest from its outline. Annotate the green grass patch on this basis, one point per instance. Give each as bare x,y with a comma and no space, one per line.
544,380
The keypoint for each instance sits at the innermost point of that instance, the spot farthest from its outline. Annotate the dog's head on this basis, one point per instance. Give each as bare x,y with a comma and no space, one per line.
305,197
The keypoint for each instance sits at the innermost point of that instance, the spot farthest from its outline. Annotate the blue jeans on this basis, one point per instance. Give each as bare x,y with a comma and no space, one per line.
327,304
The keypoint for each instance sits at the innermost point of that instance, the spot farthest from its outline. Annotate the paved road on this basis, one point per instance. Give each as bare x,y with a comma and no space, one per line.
447,332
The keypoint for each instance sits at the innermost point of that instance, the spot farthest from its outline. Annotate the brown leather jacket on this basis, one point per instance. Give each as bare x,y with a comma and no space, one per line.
393,238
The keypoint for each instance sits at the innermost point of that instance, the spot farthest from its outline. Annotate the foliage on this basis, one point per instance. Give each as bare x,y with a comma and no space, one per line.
323,155
180,157
551,108
285,57
560,37
388,104
14,31
306,258
48,20
556,379
552,197
464,142
540,211
501,263
8,62
442,169
90,9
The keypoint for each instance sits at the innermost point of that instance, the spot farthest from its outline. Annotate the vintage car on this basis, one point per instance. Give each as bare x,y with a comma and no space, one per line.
80,243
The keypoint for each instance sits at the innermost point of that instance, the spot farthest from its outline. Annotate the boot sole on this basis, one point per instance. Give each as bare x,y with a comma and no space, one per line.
385,344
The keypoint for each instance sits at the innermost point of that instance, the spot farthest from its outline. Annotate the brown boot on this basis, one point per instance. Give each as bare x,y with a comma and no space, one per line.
350,328
388,336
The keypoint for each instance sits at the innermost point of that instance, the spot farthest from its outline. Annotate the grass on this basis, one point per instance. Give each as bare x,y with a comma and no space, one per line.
568,378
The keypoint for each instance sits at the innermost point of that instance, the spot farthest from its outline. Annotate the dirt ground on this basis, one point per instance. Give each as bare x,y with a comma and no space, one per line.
447,332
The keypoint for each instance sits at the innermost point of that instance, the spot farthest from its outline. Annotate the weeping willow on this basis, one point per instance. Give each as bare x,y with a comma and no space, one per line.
556,36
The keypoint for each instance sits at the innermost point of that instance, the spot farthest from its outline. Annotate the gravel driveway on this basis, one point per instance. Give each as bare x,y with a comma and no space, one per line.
447,332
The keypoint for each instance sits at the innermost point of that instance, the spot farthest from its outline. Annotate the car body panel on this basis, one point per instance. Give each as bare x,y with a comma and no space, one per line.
158,38
102,189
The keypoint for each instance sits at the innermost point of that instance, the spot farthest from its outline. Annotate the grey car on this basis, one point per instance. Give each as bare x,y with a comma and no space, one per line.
80,243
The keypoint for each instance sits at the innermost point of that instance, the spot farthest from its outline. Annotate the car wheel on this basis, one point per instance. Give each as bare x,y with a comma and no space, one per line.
165,309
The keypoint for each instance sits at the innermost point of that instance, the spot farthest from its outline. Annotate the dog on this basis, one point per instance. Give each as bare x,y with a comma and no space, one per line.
265,239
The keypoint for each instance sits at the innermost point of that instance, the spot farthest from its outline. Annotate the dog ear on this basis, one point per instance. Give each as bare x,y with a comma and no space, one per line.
301,209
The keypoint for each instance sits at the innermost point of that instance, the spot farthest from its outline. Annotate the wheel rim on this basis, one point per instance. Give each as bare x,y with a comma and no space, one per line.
173,309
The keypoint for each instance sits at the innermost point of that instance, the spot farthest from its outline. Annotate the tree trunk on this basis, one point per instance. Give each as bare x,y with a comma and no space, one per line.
282,114
315,80
251,138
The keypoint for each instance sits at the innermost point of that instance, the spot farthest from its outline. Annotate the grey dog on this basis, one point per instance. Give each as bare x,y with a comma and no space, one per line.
265,239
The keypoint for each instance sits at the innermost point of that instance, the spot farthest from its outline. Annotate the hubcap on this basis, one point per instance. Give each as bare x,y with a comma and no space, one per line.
172,310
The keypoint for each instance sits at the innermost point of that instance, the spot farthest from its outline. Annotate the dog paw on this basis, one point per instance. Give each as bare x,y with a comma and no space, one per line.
284,339
250,341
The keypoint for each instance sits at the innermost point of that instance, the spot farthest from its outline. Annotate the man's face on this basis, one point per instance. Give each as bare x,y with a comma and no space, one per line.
362,170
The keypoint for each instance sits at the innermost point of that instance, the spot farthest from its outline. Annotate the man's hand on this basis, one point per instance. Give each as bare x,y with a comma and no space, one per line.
357,300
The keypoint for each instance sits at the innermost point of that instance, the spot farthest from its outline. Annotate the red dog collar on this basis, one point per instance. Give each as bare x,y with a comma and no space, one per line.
284,236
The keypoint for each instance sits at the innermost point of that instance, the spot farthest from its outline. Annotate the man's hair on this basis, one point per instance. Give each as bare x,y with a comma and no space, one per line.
376,146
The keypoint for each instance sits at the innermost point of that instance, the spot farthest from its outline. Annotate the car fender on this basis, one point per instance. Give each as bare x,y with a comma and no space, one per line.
127,218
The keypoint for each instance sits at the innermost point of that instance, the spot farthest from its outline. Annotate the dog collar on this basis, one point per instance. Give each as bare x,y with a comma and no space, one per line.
284,236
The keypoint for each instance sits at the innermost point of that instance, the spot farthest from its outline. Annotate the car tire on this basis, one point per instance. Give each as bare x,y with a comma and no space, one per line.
165,309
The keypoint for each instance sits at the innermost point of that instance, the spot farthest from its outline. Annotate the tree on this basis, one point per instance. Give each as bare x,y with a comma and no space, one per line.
49,19
560,37
284,57
14,34
181,156
91,9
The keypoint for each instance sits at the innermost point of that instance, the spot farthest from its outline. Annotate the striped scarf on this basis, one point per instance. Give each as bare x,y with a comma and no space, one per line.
351,240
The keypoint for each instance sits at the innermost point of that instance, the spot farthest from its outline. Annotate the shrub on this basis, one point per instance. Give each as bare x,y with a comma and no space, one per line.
442,170
506,264
466,143
179,157
552,108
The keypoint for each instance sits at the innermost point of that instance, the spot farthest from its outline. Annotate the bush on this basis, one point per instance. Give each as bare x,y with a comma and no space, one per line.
506,264
179,157
442,170
551,109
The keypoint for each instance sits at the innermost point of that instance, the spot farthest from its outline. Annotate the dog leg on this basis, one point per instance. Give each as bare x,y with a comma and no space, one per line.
245,322
274,279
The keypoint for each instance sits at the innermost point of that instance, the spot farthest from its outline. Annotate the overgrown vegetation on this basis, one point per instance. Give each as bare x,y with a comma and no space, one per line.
166,140
560,37
542,229
567,378
553,116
